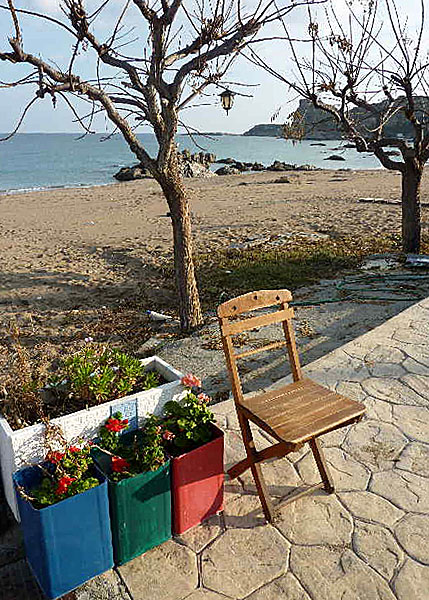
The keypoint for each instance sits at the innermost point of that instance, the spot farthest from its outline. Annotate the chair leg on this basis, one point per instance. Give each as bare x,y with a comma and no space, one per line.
249,444
319,457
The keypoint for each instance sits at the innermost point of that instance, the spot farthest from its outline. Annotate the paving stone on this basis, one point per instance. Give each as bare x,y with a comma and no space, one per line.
334,438
223,408
234,447
203,594
221,421
412,582
242,560
377,547
242,511
351,389
286,588
280,476
105,587
168,572
410,336
331,360
334,573
412,366
378,410
226,413
412,533
294,457
418,383
384,355
415,458
350,369
11,542
421,326
387,370
359,347
413,421
198,537
348,473
419,354
307,469
18,583
406,490
316,520
392,391
424,304
371,507
375,444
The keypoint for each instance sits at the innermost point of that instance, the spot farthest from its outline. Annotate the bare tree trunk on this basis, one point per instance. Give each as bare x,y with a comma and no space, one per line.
411,180
186,285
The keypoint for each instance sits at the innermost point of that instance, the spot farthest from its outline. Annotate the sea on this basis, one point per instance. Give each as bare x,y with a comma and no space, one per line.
41,161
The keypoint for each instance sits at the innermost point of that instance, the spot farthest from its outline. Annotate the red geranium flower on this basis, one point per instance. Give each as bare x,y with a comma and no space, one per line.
119,464
73,449
63,484
116,425
55,457
190,381
168,436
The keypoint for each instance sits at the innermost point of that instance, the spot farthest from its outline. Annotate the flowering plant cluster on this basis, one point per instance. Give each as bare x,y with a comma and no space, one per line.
65,474
134,453
187,424
98,374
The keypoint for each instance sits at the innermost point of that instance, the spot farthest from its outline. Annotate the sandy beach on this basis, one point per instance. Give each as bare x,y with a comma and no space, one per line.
69,257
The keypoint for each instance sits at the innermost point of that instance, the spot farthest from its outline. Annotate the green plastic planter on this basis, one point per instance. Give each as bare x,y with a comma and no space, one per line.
140,510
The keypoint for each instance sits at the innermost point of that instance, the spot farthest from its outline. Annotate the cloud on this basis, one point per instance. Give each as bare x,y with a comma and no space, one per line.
49,7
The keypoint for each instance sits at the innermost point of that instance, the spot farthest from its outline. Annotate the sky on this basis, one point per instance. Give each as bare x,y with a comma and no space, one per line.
269,97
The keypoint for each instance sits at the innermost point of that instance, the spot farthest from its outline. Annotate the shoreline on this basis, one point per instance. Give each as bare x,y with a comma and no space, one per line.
82,186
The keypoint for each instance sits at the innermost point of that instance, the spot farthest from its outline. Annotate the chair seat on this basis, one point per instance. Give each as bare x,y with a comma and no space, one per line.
300,411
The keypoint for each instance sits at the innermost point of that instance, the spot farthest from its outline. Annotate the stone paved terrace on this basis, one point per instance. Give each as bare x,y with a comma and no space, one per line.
368,541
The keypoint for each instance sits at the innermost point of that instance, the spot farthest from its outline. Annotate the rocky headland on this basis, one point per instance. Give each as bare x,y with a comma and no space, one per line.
319,125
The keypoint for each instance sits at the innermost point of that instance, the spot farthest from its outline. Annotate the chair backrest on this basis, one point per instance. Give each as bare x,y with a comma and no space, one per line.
250,302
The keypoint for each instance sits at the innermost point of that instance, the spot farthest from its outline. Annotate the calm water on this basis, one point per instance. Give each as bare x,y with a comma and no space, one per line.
39,161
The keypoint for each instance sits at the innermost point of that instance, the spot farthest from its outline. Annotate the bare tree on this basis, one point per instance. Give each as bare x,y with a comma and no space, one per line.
184,46
369,73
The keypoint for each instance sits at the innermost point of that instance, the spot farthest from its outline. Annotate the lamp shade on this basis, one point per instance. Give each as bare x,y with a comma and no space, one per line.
227,99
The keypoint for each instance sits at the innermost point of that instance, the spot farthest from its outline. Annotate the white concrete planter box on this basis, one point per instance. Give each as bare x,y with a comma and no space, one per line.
24,446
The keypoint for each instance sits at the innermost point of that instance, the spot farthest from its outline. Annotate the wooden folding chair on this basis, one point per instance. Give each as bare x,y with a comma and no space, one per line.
294,414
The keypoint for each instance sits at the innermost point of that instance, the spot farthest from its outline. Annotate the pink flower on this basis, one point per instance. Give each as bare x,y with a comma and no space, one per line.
168,436
203,398
190,381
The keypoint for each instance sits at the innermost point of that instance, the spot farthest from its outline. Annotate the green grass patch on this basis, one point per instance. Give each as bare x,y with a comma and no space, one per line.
228,273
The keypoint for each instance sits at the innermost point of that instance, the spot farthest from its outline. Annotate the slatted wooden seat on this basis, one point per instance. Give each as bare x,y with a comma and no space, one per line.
293,414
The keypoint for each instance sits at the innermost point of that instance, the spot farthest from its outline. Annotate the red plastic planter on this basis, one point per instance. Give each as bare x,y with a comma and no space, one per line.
197,484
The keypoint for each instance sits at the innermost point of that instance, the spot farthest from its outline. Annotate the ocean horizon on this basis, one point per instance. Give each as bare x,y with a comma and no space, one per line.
42,161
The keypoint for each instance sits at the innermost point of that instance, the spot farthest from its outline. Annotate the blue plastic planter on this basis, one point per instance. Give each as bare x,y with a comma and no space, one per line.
69,542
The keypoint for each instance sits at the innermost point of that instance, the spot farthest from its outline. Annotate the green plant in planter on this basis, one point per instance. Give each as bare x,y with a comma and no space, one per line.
188,424
66,474
98,374
134,453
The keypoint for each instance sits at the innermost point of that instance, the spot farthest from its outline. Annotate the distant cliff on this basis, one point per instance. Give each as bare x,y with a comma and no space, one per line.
319,125
267,130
